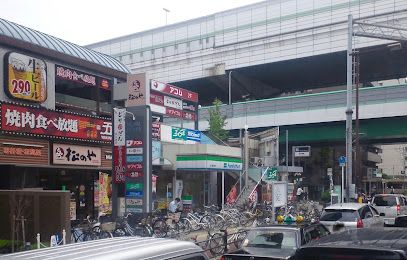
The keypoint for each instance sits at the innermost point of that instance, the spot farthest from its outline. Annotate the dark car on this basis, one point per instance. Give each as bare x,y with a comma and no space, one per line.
276,241
361,244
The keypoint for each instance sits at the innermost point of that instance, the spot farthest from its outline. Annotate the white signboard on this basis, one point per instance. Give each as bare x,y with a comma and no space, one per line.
76,155
302,151
279,194
179,186
119,127
134,150
173,102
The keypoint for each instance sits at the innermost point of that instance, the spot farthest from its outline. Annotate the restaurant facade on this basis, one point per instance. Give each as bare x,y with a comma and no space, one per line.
55,117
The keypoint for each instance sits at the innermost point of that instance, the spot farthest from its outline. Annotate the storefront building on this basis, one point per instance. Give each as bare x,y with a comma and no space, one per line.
55,117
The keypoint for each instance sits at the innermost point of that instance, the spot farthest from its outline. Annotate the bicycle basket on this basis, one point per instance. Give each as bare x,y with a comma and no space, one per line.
108,226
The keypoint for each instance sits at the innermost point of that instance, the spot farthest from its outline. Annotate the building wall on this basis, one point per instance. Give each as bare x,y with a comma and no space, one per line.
394,158
264,32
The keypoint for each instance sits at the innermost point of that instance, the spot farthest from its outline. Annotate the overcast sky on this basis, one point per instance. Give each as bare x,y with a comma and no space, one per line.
88,21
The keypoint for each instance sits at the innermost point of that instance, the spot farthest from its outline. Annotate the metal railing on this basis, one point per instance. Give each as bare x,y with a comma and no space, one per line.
305,102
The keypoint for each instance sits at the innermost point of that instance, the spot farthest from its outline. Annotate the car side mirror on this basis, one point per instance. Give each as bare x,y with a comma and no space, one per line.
382,214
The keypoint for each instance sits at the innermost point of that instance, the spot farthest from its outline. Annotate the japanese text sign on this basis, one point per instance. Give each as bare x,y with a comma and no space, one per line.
174,91
74,75
119,164
119,126
81,77
76,155
49,123
26,77
136,84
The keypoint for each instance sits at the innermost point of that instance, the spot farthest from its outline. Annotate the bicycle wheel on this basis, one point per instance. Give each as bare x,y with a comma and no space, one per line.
185,226
73,238
239,238
119,232
90,235
220,222
249,219
208,221
216,244
160,228
105,234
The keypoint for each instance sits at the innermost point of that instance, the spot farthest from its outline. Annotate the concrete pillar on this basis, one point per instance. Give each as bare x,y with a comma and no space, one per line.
212,189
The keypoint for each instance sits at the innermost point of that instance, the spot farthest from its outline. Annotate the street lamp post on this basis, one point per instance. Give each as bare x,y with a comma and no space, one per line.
166,14
230,87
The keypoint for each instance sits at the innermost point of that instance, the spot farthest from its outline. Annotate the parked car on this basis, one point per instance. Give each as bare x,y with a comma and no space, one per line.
392,205
350,215
123,248
276,241
361,244
401,221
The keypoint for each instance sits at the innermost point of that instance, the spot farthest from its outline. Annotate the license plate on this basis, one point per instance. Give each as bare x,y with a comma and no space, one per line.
338,227
389,222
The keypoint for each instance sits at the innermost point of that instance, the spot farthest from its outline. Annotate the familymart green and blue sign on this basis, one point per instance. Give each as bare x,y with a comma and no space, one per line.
208,162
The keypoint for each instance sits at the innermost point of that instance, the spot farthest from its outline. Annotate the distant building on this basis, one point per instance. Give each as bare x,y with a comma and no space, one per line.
394,158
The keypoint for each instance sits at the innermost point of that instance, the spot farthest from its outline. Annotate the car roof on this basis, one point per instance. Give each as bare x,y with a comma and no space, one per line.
390,195
349,205
122,248
294,225
366,238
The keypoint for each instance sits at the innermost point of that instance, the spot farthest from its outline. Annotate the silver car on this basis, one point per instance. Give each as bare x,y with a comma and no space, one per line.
391,205
342,216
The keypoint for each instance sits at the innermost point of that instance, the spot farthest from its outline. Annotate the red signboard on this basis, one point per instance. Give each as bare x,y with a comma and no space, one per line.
156,98
134,143
133,174
48,123
156,131
189,115
174,91
119,164
134,166
173,112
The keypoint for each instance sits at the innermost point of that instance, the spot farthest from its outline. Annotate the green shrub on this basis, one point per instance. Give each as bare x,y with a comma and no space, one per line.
326,196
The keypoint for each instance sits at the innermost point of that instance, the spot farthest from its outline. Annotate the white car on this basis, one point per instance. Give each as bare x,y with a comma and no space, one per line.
391,205
342,216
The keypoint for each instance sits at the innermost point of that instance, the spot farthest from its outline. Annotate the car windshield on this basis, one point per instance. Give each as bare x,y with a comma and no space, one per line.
271,239
385,201
347,215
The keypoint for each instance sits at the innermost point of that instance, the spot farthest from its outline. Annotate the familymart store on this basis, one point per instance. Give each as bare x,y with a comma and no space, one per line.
203,174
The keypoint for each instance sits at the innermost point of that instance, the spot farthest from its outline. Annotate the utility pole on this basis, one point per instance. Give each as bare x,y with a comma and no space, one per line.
349,111
246,154
230,87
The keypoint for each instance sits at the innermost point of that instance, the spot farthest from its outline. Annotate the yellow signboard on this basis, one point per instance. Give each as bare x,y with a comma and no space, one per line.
26,78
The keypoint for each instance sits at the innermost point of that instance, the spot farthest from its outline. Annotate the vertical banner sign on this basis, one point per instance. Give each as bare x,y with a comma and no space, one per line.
119,141
136,84
138,187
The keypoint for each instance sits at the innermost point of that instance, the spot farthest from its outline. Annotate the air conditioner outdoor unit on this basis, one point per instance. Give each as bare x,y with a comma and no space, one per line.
256,161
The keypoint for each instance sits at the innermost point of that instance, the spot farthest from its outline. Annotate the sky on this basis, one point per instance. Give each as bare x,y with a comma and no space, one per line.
89,21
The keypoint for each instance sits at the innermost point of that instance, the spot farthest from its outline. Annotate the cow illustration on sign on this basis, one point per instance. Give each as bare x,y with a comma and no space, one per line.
136,93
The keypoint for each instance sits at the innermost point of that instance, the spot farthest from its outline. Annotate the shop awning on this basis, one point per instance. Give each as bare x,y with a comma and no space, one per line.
162,162
207,162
